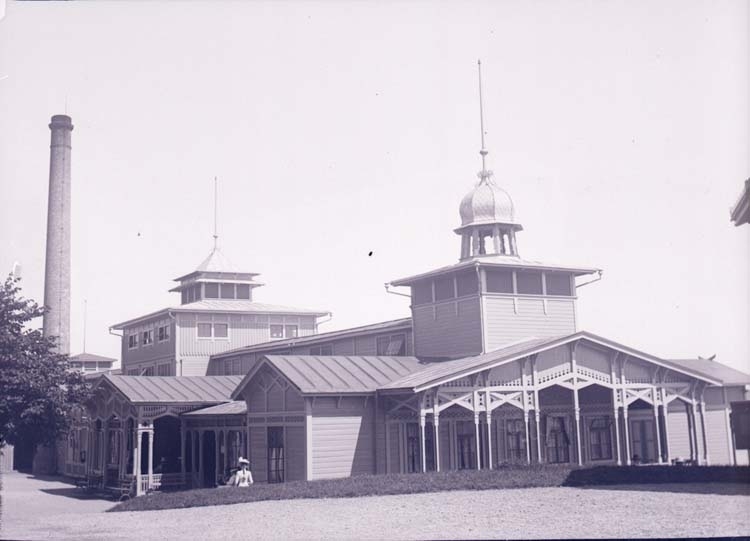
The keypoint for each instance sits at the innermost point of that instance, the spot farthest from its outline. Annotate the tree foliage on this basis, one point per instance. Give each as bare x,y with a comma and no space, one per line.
37,389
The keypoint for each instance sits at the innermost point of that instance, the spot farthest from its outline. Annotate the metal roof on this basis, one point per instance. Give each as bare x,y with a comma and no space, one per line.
498,261
236,407
393,325
91,358
459,367
336,374
174,389
232,306
726,374
443,371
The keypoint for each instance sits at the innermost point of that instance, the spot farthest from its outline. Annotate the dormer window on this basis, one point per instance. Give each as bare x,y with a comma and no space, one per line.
243,291
227,291
211,291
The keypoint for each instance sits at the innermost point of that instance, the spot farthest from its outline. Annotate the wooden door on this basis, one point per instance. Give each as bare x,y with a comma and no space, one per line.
643,438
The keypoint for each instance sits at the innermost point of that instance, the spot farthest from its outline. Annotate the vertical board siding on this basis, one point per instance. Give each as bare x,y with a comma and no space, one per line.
504,325
343,444
259,453
294,447
716,436
449,329
679,431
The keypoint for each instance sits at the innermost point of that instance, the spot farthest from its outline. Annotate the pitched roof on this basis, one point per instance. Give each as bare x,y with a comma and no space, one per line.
740,213
450,370
459,367
396,324
174,389
726,374
494,261
91,358
236,407
233,306
336,374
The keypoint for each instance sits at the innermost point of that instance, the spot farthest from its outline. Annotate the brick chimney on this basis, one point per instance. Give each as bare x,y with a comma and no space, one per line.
57,263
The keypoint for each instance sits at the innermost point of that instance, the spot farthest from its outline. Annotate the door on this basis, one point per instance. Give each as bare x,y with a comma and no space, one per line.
209,459
465,445
643,442
557,440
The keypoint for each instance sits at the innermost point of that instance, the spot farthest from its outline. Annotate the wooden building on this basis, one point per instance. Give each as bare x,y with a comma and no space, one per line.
491,368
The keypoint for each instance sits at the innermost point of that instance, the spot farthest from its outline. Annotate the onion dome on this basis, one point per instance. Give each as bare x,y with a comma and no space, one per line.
487,203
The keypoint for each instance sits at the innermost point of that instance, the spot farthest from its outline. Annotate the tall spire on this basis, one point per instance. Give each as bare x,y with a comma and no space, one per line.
216,206
484,173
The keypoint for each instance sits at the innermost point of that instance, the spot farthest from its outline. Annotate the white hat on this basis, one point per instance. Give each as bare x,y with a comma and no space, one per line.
243,461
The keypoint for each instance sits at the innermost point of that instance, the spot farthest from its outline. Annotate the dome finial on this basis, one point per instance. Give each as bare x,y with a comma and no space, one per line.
484,173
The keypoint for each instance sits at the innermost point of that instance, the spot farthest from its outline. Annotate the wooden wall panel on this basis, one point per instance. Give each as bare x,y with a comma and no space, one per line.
716,436
678,429
342,444
504,324
449,329
294,446
259,453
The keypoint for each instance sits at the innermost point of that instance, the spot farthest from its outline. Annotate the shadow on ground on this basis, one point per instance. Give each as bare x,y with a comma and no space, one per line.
73,492
723,489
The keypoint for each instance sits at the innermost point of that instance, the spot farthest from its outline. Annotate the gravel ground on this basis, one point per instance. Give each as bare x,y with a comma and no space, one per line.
35,508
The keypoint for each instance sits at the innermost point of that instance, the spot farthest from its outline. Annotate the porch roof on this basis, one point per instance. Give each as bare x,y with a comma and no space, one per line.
336,374
235,407
174,389
439,372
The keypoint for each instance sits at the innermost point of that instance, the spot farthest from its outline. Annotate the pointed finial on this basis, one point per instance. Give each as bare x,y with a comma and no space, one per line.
484,173
216,206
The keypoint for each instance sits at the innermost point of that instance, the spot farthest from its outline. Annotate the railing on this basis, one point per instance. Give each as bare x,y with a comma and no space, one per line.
161,481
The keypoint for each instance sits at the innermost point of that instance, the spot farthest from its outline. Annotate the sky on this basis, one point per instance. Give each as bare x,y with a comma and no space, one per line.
620,129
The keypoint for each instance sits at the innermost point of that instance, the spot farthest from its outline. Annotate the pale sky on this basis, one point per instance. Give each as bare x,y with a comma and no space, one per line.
621,130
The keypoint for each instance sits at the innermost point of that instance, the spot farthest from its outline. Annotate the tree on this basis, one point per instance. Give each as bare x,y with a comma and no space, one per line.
37,389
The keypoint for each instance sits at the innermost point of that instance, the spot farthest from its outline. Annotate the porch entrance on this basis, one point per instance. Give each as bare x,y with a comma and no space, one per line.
209,458
643,445
275,454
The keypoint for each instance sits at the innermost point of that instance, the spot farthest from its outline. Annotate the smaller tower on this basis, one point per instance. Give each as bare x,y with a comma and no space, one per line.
488,221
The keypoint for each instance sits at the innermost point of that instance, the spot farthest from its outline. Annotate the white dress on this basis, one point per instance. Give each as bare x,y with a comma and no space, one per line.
243,478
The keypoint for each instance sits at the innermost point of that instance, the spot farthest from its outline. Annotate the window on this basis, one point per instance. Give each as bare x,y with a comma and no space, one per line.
277,331
148,371
467,283
133,372
164,370
163,333
184,295
558,283
132,341
204,330
391,345
148,337
515,437
499,280
290,331
243,291
600,439
558,442
444,288
211,291
227,291
221,330
275,454
422,293
529,282
322,350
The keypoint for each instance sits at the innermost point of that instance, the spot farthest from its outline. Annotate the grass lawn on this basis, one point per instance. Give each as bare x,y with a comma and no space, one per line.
361,485
506,477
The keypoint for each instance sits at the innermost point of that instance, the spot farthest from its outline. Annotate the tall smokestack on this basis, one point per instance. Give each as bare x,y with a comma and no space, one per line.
57,263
